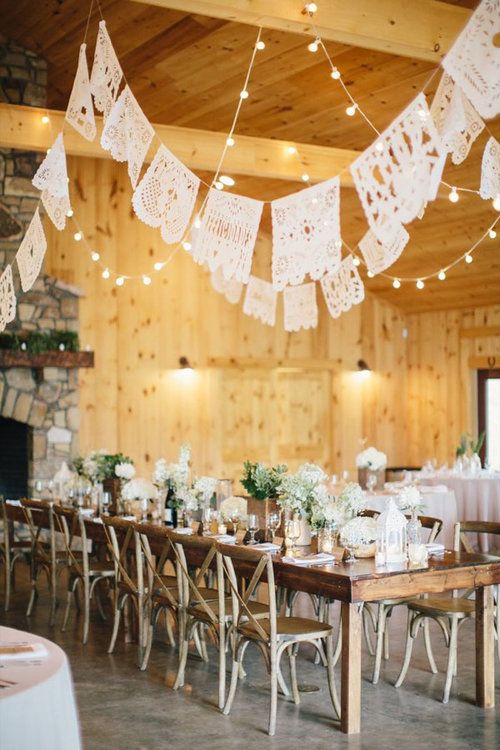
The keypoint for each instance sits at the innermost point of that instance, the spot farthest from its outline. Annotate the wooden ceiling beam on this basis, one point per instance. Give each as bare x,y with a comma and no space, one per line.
424,30
22,128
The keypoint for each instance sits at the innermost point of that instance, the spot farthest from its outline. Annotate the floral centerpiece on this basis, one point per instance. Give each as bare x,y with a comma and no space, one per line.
304,494
371,462
261,482
137,494
96,466
173,477
359,535
410,499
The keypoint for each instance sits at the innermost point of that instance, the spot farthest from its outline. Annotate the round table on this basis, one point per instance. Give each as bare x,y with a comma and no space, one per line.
38,709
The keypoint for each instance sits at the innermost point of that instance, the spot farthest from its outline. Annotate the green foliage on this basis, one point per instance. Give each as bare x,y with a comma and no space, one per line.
38,342
261,482
462,447
98,466
467,442
476,445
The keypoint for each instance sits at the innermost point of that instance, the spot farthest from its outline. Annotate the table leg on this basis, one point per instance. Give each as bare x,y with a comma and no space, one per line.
485,648
351,668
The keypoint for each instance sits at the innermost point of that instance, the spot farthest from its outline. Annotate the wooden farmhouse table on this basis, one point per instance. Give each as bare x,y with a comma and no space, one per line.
363,581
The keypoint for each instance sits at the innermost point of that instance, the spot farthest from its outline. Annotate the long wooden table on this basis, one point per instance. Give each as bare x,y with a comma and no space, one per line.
362,581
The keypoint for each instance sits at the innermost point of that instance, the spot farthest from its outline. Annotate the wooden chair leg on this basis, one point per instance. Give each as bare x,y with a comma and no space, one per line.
410,638
168,626
234,678
274,693
330,656
69,597
428,647
386,636
86,609
149,643
8,576
222,665
53,595
116,625
292,656
380,633
34,590
367,613
452,655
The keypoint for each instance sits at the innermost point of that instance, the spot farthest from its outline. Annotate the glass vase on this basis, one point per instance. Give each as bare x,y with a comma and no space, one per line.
414,529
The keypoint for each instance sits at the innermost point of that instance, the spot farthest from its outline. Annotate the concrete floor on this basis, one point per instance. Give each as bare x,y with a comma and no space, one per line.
122,707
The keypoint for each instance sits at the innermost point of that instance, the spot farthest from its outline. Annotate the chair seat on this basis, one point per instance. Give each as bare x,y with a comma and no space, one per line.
442,606
289,628
169,581
257,609
96,568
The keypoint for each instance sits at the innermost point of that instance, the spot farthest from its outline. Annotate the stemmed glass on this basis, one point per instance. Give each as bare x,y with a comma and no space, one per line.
105,503
292,532
206,517
253,526
350,547
273,521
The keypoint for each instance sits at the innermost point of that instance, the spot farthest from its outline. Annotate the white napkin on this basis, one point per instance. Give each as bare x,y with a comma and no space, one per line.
434,548
16,650
225,538
268,546
87,511
128,518
321,557
17,503
183,530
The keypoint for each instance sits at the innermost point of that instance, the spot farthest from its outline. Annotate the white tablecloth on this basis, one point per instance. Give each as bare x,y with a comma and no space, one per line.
440,505
39,711
478,499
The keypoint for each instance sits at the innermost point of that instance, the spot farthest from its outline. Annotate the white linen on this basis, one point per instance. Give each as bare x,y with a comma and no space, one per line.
322,558
39,709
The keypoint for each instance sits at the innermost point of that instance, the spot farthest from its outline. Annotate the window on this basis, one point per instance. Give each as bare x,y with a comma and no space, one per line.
489,415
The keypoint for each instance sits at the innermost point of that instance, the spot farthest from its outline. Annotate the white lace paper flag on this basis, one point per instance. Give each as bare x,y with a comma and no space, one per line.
166,195
474,60
231,289
343,289
228,233
490,170
31,252
80,112
306,234
393,183
127,133
300,307
260,300
106,73
377,256
52,179
7,298
456,120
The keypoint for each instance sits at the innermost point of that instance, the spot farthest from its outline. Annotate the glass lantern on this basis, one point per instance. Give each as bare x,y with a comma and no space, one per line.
391,536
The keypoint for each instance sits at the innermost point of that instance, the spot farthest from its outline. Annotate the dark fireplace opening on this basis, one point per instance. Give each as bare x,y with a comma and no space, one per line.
14,456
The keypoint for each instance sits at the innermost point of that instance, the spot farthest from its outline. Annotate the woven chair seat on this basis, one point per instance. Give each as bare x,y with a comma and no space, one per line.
295,628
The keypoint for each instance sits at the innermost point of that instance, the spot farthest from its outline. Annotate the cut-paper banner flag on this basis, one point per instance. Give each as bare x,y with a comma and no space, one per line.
260,300
227,234
80,112
106,73
343,289
230,289
490,171
377,256
52,179
456,120
31,252
127,133
474,60
306,234
394,177
7,298
300,307
166,195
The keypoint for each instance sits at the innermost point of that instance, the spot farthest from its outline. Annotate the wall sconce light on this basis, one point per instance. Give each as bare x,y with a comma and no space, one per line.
184,363
363,371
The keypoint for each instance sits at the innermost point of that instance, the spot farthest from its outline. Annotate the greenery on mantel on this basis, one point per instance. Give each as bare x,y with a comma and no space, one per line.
36,342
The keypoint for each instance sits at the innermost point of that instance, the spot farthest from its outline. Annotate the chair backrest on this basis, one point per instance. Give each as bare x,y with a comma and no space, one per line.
235,561
39,516
159,536
5,536
194,555
122,539
434,525
462,528
70,523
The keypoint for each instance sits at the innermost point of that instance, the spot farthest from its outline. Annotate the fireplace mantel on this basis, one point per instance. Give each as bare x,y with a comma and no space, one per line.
65,359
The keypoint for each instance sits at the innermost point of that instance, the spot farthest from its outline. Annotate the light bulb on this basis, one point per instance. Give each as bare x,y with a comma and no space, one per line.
244,94
120,281
492,234
226,180
311,8
454,196
356,262
441,276
351,110
261,45
45,119
95,256
313,46
48,151
379,146
77,236
370,274
396,283
158,265
291,150
146,280
305,177
218,185
496,203
420,284
105,274
197,222
186,245
230,141
69,213
469,258
335,74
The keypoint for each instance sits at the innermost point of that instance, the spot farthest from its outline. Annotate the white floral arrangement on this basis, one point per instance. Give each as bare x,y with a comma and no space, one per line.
300,492
371,459
359,530
139,489
326,511
352,500
410,499
204,488
91,465
173,475
187,499
125,471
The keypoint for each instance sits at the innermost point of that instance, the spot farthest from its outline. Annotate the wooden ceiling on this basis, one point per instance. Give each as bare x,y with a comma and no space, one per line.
187,70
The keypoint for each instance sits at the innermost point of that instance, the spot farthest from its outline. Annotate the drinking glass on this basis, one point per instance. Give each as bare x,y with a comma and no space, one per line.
273,521
292,532
348,544
253,526
345,475
105,503
371,482
206,517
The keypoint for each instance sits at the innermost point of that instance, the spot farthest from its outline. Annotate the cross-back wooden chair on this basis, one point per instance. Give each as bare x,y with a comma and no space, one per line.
82,568
272,634
385,608
131,585
12,549
448,612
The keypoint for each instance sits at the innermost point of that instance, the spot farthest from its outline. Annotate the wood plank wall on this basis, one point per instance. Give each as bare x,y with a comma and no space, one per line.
137,400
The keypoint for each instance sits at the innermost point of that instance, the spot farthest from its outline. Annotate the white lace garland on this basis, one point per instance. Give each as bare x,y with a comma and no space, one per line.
231,289
474,61
300,307
394,176
378,257
490,170
260,300
106,73
7,298
227,234
456,120
80,112
127,133
31,252
306,234
343,289
166,195
52,179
